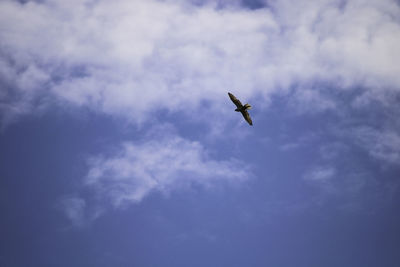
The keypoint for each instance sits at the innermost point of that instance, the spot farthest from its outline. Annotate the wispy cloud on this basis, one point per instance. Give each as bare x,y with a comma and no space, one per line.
74,209
322,177
381,144
321,174
165,165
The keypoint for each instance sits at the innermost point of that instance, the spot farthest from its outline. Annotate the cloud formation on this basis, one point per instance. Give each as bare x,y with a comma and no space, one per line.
321,174
163,165
383,145
133,58
127,57
74,209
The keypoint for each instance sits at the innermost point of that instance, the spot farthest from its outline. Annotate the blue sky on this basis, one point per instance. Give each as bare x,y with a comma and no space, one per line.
120,146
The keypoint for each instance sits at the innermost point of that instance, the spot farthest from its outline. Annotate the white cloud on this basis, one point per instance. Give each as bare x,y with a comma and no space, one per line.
74,209
322,178
321,174
161,165
131,57
308,100
127,57
380,144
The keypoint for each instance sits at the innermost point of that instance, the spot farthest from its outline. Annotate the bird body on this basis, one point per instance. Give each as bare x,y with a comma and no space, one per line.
241,108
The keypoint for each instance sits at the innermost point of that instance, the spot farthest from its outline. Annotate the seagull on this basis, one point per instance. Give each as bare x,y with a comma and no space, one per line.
240,108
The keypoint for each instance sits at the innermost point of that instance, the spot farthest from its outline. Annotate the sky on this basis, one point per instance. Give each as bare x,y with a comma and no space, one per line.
119,145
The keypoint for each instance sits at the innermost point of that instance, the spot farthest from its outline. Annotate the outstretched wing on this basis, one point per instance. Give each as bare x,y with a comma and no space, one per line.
235,100
246,116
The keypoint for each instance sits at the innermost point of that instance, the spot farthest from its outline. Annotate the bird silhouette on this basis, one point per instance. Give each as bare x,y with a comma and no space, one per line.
241,108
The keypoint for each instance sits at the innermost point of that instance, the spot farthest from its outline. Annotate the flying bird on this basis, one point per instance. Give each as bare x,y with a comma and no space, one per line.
241,108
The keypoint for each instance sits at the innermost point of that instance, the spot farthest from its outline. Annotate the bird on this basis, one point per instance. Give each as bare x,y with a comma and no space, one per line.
241,108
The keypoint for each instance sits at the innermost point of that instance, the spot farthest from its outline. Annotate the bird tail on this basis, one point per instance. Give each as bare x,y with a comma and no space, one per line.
247,106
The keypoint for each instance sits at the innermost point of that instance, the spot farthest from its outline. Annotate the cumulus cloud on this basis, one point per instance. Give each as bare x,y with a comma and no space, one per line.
164,165
127,57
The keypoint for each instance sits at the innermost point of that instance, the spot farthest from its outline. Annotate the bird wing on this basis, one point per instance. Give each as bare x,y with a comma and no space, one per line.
246,116
235,100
